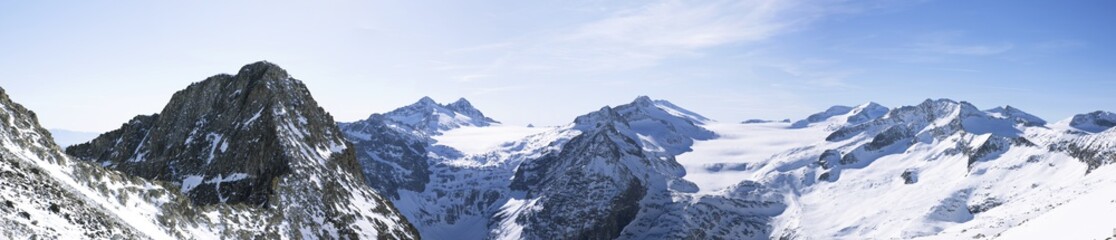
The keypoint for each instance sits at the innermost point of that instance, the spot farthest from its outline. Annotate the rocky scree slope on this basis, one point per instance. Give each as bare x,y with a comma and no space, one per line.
37,201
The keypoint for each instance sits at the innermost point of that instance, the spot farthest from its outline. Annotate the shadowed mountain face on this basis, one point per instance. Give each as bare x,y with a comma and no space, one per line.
259,139
219,137
392,147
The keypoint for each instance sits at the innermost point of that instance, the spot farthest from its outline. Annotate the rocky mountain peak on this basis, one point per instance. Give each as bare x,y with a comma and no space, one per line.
643,101
939,118
1017,115
466,108
647,104
844,115
605,116
263,70
866,112
648,118
429,117
1094,122
226,139
461,103
426,101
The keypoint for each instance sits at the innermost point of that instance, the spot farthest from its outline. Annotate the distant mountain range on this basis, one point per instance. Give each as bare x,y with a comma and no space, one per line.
251,155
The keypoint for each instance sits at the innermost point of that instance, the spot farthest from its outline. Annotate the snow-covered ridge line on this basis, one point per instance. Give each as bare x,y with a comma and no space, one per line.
431,118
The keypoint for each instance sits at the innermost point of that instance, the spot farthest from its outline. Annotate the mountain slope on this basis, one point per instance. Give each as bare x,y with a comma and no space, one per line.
601,161
258,141
1093,122
37,201
939,169
609,174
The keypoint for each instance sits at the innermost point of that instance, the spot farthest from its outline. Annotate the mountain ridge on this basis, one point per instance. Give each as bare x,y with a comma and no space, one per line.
255,139
631,171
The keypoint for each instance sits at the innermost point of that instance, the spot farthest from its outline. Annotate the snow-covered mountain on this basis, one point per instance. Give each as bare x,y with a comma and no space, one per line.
848,115
652,170
251,155
939,169
254,145
431,118
609,174
1093,122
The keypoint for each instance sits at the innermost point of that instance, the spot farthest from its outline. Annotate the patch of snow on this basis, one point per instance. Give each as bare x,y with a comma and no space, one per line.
214,141
254,117
230,178
508,227
191,182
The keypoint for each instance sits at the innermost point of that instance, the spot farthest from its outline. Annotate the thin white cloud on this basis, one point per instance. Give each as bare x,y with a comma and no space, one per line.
689,24
950,43
660,30
1060,45
927,47
970,50
648,34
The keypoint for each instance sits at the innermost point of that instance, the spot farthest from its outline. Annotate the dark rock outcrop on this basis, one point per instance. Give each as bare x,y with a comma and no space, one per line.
256,139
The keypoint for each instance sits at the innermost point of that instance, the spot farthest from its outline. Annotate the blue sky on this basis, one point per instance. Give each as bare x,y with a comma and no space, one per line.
92,66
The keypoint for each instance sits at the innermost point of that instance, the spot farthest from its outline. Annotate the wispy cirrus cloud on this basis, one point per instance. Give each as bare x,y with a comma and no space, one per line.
648,34
642,37
690,24
971,50
1060,45
926,47
950,43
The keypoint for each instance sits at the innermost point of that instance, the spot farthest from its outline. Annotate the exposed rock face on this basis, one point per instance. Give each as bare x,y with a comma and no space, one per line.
932,118
611,174
258,139
589,190
401,160
1094,149
220,129
392,158
620,174
987,134
393,147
